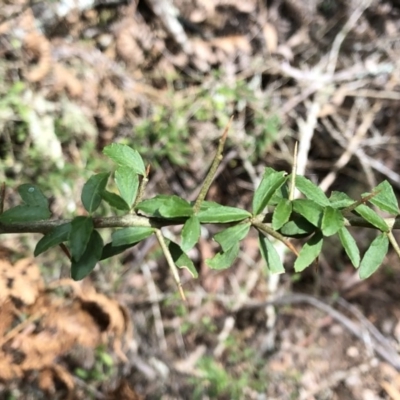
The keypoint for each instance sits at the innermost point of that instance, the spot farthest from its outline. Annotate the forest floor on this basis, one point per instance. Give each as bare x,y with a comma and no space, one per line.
165,77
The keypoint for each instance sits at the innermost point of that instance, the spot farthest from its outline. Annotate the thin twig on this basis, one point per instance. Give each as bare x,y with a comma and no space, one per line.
337,43
394,243
372,162
364,321
376,94
130,220
18,328
362,200
389,354
294,173
142,188
211,173
352,146
170,261
307,129
266,230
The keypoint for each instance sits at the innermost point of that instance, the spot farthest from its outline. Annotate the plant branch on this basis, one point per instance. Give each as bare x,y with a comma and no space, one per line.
130,220
267,230
46,226
294,172
142,188
394,243
214,166
170,262
363,200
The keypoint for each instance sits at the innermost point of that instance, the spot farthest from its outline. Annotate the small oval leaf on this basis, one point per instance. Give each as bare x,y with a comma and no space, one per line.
372,217
24,213
374,256
270,255
231,236
124,155
131,235
82,267
385,199
115,201
32,195
310,210
350,246
340,200
58,235
332,221
309,252
190,233
127,183
151,206
175,207
217,214
92,191
110,251
79,236
272,180
297,227
281,213
224,259
311,191
181,259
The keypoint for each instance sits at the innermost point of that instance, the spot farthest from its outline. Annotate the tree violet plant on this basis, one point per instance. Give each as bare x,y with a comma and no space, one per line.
314,217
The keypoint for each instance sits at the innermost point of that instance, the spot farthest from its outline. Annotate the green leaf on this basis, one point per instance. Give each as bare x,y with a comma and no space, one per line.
32,195
310,210
84,265
190,233
217,214
385,199
281,193
25,213
231,236
374,256
350,246
181,259
175,207
131,235
151,206
311,191
224,259
127,183
92,191
110,251
80,234
281,213
340,200
309,252
166,206
332,221
270,255
372,217
297,227
58,235
125,156
114,200
270,183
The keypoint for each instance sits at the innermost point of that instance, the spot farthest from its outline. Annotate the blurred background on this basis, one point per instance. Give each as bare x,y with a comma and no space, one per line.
165,76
